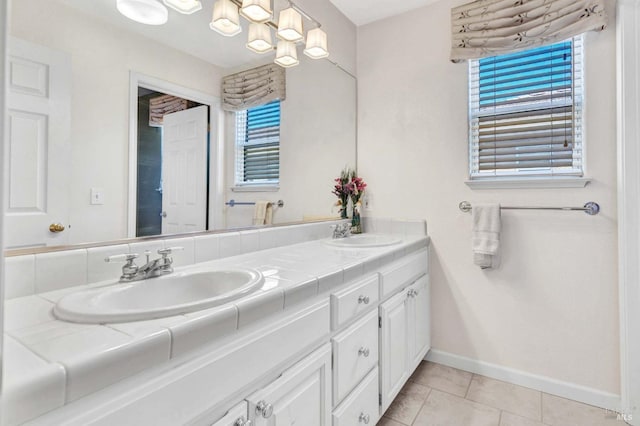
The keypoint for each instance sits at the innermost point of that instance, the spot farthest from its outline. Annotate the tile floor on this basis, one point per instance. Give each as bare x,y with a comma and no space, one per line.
436,395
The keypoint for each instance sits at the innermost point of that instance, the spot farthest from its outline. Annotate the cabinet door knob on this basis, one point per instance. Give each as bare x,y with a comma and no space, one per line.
242,422
364,299
363,351
263,409
364,418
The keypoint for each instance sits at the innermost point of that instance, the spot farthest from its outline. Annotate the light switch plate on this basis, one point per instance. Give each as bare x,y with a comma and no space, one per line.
97,196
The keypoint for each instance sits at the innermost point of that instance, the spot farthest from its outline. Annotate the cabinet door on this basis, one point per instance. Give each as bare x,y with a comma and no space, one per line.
394,370
419,320
300,396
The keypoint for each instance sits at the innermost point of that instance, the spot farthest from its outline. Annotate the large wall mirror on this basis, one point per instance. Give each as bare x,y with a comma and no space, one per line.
87,163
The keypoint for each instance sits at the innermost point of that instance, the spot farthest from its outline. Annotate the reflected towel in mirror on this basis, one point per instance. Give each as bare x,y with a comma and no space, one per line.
263,213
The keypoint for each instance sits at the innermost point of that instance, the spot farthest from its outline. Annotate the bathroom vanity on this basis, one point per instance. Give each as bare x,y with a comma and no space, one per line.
330,338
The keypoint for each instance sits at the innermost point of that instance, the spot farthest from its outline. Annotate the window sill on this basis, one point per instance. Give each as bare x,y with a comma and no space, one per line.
256,188
528,182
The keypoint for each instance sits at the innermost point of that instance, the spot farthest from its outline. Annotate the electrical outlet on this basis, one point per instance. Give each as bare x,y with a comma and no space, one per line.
367,202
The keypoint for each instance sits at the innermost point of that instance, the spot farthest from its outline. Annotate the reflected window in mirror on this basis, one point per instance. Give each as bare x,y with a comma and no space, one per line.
258,146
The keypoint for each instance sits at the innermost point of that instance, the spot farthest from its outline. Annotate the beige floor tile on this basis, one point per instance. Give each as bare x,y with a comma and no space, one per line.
441,377
558,411
404,408
443,409
386,421
508,419
519,400
415,390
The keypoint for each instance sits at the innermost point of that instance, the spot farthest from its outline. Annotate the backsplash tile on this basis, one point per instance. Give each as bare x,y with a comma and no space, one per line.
20,276
206,247
60,269
230,244
249,241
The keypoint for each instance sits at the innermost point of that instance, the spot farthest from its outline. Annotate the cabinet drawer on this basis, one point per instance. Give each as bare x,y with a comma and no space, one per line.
353,300
361,406
404,272
237,416
355,353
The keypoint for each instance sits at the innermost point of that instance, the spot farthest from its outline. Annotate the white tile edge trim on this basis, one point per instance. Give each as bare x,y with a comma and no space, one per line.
523,183
545,384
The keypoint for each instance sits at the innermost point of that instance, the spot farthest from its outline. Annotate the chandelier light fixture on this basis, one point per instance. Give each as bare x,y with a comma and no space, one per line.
316,47
286,54
259,38
186,7
225,20
148,12
290,25
258,11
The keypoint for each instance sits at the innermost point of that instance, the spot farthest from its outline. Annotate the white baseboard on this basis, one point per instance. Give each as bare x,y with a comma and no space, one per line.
541,383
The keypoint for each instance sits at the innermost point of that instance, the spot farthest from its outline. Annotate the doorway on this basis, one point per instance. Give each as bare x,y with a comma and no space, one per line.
161,155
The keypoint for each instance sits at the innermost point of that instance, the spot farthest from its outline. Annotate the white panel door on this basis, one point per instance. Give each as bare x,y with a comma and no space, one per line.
300,396
393,348
37,145
184,171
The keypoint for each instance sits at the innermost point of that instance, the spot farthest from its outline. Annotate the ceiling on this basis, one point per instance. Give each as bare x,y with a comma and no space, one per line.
362,12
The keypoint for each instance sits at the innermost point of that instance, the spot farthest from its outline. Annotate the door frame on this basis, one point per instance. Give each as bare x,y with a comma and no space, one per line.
216,151
628,127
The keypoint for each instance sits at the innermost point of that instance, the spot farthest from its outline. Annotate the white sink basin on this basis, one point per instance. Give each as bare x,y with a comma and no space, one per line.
172,294
364,240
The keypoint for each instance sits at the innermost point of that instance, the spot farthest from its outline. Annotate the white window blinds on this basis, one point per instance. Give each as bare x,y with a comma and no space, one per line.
258,145
525,112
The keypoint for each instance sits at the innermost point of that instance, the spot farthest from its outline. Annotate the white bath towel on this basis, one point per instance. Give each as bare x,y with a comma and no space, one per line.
485,234
262,213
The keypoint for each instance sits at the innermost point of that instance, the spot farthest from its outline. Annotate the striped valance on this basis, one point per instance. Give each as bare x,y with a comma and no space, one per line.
253,87
493,27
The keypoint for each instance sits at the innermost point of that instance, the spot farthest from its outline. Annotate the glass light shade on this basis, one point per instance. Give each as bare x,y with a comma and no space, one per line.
290,25
257,11
259,38
286,54
185,7
226,19
316,46
149,12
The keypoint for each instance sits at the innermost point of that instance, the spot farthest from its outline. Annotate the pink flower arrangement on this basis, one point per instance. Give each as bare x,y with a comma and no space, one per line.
348,185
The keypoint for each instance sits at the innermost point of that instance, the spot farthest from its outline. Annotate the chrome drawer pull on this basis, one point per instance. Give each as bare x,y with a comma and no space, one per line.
263,409
363,351
363,299
364,418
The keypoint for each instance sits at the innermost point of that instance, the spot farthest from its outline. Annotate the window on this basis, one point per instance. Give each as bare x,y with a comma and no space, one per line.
525,113
258,145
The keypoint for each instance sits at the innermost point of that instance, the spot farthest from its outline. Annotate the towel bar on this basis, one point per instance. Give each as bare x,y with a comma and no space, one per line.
591,208
232,203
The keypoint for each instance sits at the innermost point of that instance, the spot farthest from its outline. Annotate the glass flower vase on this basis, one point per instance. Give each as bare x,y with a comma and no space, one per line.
356,224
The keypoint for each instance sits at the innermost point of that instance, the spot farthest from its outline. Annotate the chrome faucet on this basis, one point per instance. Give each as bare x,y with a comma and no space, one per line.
152,268
341,230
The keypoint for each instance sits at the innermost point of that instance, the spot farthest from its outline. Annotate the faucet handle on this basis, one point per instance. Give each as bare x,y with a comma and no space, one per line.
167,251
127,257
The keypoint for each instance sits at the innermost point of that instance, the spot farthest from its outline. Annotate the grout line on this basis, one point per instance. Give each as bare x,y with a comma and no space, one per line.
469,386
500,417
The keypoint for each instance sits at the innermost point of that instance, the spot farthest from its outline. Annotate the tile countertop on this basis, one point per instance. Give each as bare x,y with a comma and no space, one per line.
49,362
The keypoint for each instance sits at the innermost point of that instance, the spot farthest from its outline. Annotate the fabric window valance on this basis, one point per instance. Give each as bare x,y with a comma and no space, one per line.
493,27
253,87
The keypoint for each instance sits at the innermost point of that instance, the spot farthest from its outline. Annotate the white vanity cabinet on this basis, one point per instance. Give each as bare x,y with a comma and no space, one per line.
300,396
404,337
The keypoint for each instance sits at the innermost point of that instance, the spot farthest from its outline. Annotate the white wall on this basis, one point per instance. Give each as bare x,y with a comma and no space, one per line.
551,309
102,58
